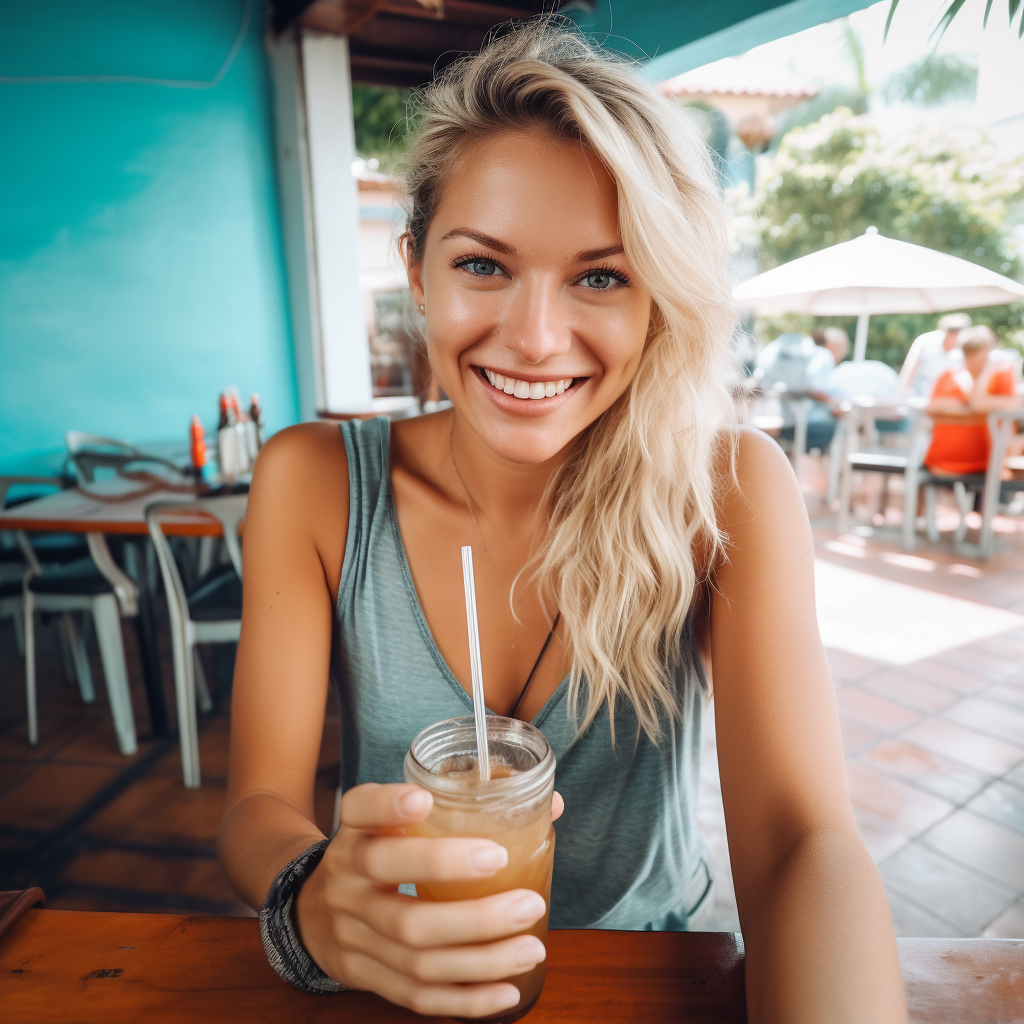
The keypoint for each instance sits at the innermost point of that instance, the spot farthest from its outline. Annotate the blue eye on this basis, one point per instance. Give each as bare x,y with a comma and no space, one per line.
482,268
598,279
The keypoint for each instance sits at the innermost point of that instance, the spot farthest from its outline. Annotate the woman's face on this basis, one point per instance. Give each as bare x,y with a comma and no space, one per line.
528,293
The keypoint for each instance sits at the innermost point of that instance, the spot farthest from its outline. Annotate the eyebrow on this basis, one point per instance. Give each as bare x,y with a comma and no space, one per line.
584,256
590,255
487,240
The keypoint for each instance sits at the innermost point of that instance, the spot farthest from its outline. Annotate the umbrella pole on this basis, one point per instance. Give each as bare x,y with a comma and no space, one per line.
860,343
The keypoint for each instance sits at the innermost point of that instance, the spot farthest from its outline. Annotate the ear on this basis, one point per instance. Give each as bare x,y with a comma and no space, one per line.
413,267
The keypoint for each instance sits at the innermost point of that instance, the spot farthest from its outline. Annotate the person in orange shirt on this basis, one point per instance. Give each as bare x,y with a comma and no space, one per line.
985,382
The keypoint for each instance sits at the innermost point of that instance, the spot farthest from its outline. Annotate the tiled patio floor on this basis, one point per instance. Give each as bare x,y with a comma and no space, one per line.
934,744
927,656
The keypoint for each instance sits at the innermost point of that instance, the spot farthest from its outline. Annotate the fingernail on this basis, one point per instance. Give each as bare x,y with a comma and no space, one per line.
415,802
529,954
527,909
510,999
488,858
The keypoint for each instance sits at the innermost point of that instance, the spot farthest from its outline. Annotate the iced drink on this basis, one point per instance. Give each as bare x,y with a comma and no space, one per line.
512,808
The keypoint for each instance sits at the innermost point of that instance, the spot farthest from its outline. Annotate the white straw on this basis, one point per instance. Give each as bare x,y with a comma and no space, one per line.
479,709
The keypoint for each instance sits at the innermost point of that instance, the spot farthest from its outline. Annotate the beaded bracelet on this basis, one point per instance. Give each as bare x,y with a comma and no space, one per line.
285,952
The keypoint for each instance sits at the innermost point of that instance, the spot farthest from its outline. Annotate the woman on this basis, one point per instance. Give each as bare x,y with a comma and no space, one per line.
961,400
566,250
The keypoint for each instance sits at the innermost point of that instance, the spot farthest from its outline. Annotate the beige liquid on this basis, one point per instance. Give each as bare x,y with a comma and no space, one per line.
530,841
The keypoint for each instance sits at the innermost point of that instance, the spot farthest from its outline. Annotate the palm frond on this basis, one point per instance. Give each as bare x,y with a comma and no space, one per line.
951,12
888,20
934,79
947,16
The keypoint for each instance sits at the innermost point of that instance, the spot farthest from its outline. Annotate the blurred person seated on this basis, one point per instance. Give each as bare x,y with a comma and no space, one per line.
795,367
835,340
987,381
931,354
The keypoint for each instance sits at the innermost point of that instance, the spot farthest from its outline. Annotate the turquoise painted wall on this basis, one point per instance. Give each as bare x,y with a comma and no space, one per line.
141,265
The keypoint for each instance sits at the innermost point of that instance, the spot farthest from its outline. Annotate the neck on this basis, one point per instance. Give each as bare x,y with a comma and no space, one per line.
507,494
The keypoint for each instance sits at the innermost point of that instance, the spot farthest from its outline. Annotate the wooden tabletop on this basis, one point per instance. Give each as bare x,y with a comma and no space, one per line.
60,966
117,505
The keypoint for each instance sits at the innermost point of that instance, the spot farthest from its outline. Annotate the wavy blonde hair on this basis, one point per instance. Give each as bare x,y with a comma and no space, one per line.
633,527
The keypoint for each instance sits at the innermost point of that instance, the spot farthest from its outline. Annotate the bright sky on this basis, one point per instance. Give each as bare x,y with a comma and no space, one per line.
813,53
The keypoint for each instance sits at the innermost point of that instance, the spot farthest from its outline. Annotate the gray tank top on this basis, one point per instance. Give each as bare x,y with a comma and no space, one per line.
628,854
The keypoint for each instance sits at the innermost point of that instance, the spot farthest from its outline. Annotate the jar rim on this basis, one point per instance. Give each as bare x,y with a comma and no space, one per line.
524,786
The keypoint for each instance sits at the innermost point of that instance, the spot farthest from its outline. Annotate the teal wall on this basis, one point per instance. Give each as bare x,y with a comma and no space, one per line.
141,265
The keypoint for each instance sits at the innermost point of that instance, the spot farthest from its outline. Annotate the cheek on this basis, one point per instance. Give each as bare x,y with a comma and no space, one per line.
618,337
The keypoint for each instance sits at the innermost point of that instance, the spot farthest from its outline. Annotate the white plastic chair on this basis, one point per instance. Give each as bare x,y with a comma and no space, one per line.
847,383
188,630
107,596
864,454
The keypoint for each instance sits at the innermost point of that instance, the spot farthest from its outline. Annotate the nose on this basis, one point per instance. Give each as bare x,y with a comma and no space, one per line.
536,324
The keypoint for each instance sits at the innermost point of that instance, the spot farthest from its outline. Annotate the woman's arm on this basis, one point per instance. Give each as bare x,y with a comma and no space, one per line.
295,529
981,399
818,932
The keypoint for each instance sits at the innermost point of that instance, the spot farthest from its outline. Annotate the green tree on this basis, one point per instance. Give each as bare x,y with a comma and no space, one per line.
379,113
933,79
949,191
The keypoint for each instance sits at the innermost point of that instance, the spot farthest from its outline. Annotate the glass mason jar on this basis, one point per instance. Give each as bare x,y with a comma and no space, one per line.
512,808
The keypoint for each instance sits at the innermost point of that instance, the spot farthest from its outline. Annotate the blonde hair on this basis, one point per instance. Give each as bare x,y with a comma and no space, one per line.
637,496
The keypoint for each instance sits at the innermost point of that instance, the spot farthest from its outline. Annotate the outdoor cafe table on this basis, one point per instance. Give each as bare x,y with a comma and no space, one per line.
61,966
118,506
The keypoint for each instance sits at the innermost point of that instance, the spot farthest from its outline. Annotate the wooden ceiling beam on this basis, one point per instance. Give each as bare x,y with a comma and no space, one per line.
387,32
466,12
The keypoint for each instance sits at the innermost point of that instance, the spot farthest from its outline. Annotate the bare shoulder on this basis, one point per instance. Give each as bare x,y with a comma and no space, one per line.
754,478
761,514
300,491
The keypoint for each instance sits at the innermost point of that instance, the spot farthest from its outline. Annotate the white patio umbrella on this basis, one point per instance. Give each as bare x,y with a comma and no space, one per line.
875,274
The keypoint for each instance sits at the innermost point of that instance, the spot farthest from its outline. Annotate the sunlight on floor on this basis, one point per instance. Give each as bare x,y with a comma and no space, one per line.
893,622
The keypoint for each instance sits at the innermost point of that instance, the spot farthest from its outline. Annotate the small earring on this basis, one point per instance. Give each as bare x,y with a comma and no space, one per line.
423,308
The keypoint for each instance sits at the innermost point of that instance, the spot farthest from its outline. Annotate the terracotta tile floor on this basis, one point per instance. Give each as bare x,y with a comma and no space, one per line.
99,831
931,704
935,743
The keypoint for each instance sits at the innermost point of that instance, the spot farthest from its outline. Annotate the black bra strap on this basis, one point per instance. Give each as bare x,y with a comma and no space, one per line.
536,665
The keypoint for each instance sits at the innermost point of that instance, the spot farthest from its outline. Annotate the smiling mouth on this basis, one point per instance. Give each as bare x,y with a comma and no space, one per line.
527,389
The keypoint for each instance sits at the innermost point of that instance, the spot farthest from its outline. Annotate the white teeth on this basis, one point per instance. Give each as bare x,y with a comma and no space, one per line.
528,389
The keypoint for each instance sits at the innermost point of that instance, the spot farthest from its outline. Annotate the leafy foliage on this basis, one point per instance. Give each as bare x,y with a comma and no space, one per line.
934,79
380,122
830,181
953,9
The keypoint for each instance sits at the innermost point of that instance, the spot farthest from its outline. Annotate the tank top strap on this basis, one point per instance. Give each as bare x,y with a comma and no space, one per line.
367,445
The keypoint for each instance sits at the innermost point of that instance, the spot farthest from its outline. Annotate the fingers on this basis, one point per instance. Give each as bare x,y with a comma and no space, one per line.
422,925
372,806
430,1000
557,806
393,860
490,962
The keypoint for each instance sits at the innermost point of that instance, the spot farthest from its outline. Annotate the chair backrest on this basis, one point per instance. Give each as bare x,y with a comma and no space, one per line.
89,452
228,510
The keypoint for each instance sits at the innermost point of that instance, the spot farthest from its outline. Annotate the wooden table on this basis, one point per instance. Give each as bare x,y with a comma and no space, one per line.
118,506
62,966
114,506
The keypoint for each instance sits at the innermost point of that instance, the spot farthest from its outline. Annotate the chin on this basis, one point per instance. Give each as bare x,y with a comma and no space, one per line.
527,445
